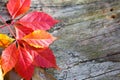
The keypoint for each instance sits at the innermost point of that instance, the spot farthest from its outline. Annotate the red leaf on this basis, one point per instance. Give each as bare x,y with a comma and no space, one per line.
24,65
9,58
38,20
39,39
21,31
44,58
18,7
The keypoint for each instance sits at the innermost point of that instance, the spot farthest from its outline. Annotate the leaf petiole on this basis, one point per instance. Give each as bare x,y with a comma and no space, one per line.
6,23
2,26
11,31
2,19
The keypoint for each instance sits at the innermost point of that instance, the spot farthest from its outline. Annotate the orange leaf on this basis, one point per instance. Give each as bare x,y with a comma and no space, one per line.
18,7
5,40
39,39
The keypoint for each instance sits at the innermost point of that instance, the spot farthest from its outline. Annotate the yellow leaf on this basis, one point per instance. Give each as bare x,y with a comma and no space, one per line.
1,74
5,40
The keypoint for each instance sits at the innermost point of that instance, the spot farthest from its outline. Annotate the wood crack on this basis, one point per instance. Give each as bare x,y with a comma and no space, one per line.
88,78
98,60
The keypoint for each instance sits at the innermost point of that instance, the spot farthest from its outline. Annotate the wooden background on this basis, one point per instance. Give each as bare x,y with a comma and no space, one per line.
88,45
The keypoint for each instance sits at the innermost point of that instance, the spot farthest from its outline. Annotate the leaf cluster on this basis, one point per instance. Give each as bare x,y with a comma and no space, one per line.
30,46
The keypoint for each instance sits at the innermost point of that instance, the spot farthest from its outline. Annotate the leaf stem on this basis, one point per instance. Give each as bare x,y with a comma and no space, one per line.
2,19
2,26
8,26
11,31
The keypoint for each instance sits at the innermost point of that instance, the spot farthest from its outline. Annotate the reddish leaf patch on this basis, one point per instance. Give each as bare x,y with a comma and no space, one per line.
38,20
18,7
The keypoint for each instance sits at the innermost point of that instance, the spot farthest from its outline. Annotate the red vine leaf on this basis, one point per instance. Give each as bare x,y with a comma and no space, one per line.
21,31
30,48
24,65
43,57
9,58
18,7
38,20
39,39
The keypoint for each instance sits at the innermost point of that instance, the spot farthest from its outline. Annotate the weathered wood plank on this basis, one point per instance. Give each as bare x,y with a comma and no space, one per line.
88,37
89,29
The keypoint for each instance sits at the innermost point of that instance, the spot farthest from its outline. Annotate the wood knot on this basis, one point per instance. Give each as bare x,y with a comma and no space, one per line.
113,16
111,9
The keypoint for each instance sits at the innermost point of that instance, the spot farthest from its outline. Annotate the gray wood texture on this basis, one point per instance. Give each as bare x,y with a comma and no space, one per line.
88,45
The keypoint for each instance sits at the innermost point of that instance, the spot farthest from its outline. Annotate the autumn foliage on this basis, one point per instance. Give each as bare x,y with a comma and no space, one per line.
30,46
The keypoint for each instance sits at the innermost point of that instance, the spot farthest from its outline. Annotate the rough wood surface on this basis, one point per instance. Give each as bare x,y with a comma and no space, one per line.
88,45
